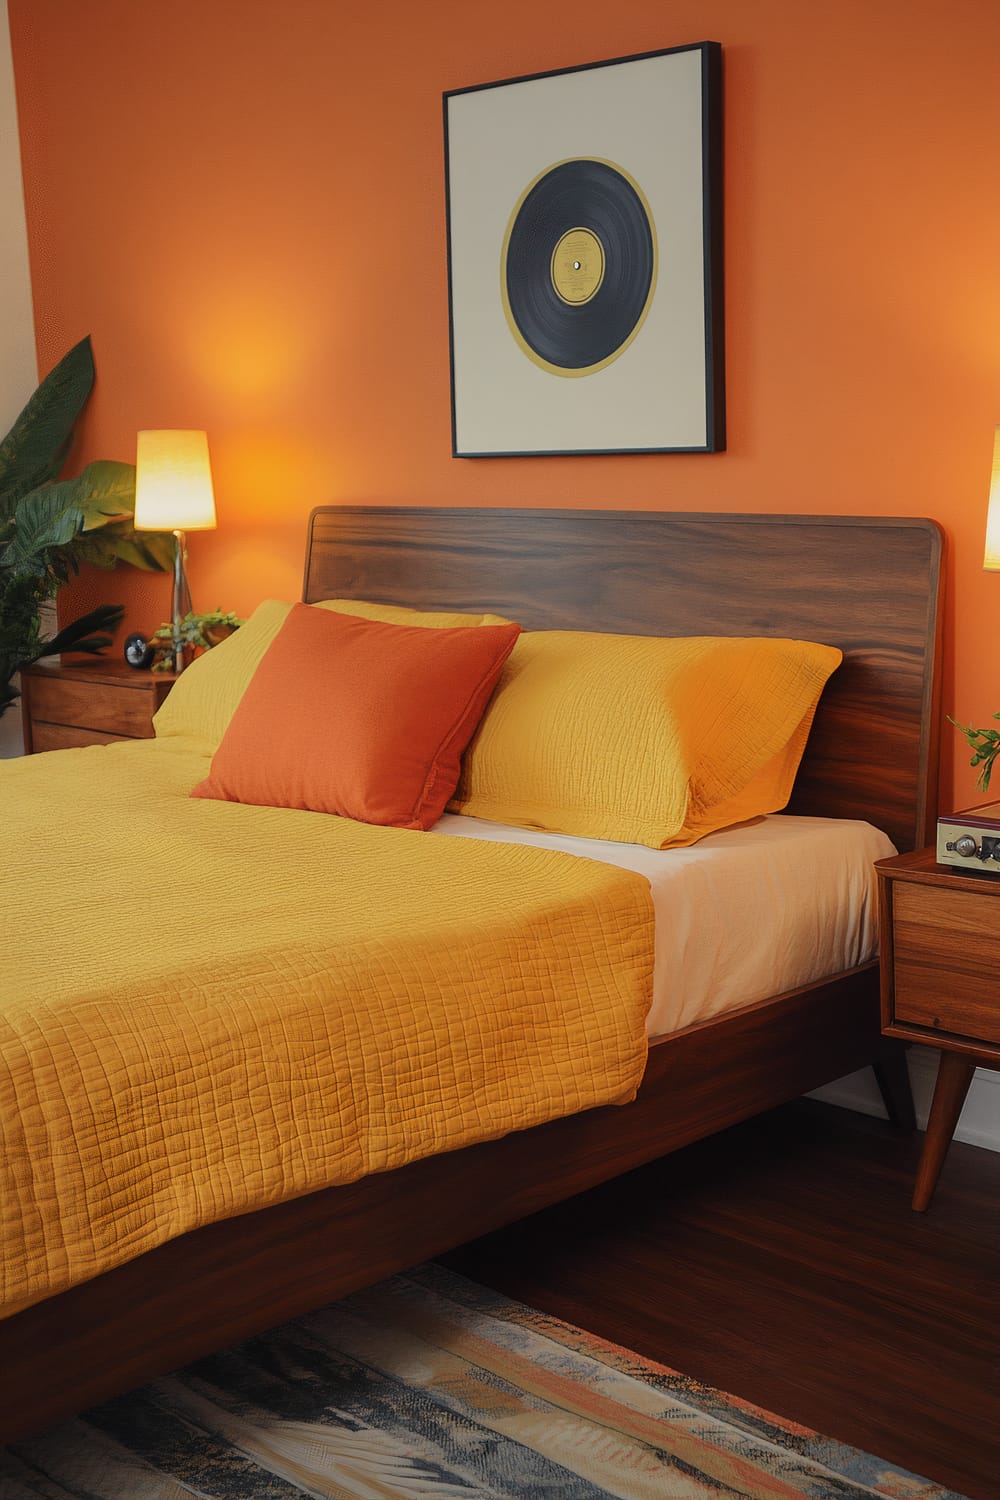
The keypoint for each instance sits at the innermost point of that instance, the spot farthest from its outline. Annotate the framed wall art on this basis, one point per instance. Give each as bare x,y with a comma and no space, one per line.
585,258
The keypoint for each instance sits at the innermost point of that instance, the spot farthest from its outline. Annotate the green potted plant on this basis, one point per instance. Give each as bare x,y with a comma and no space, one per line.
985,747
197,632
49,527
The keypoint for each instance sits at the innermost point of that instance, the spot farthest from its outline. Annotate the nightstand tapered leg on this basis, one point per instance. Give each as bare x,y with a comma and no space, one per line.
954,1076
893,1079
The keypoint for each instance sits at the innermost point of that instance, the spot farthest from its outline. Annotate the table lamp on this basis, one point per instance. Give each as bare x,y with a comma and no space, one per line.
173,492
991,560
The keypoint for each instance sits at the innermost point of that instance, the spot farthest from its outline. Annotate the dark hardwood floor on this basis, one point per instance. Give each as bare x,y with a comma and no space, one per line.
781,1262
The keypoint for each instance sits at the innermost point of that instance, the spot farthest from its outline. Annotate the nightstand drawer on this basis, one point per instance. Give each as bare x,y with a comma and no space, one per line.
940,969
88,703
66,737
946,960
111,707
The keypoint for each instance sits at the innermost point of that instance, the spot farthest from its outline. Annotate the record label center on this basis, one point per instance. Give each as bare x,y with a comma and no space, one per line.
578,267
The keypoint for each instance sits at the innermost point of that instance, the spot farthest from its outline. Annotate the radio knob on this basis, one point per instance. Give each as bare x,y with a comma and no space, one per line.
966,846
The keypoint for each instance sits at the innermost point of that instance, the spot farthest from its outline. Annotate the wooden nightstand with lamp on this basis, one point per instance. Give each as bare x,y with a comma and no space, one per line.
97,701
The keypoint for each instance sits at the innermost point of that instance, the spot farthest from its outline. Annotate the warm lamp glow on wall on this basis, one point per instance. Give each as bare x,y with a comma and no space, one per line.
173,492
992,558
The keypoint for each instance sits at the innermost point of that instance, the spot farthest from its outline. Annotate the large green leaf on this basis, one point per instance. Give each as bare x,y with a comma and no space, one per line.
119,541
105,495
42,520
35,449
103,491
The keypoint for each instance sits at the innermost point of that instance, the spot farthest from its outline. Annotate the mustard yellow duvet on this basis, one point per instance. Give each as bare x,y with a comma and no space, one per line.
206,1008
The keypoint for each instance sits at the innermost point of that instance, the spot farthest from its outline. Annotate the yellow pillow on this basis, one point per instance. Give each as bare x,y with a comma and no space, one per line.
642,739
397,614
206,695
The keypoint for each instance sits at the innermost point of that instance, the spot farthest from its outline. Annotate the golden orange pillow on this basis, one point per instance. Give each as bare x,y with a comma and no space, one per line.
358,718
643,739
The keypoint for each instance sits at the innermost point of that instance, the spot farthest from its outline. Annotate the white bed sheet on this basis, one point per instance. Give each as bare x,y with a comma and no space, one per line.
742,914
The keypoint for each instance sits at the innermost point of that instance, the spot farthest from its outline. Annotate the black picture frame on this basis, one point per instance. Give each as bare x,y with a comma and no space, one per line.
585,277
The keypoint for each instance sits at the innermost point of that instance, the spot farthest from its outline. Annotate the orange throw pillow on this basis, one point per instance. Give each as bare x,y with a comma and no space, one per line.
358,718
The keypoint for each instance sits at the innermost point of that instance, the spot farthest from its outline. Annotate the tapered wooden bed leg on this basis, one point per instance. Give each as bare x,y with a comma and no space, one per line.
893,1079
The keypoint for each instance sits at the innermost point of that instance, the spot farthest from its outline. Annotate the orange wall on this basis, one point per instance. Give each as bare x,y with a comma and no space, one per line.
243,204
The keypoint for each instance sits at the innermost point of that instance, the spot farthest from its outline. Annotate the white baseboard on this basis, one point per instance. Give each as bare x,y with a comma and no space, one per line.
980,1120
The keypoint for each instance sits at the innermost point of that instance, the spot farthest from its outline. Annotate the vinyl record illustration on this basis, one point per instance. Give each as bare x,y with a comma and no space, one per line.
578,266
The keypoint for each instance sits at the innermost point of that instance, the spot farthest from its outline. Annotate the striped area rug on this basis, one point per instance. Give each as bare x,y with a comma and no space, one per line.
427,1387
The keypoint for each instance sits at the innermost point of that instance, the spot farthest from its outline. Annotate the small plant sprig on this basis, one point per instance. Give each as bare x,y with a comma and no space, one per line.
197,632
985,745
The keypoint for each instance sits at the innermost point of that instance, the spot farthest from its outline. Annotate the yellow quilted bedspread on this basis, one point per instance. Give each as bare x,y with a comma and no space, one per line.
206,1008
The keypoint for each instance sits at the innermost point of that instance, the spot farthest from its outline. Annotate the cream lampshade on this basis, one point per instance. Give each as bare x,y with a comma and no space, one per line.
992,557
173,492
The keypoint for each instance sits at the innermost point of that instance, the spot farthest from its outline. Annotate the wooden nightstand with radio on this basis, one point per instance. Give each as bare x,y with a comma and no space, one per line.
89,703
940,941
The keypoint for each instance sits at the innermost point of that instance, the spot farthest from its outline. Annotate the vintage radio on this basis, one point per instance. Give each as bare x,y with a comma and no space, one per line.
971,838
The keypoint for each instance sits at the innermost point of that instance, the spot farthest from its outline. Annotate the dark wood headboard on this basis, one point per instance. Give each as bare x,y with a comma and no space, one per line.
870,585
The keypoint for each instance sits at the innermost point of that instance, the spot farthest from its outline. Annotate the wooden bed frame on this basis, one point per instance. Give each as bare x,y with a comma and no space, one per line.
868,585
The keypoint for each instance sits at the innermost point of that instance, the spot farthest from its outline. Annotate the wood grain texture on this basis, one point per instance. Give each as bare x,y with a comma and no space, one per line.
940,955
780,1261
868,585
88,703
45,736
955,1074
947,946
